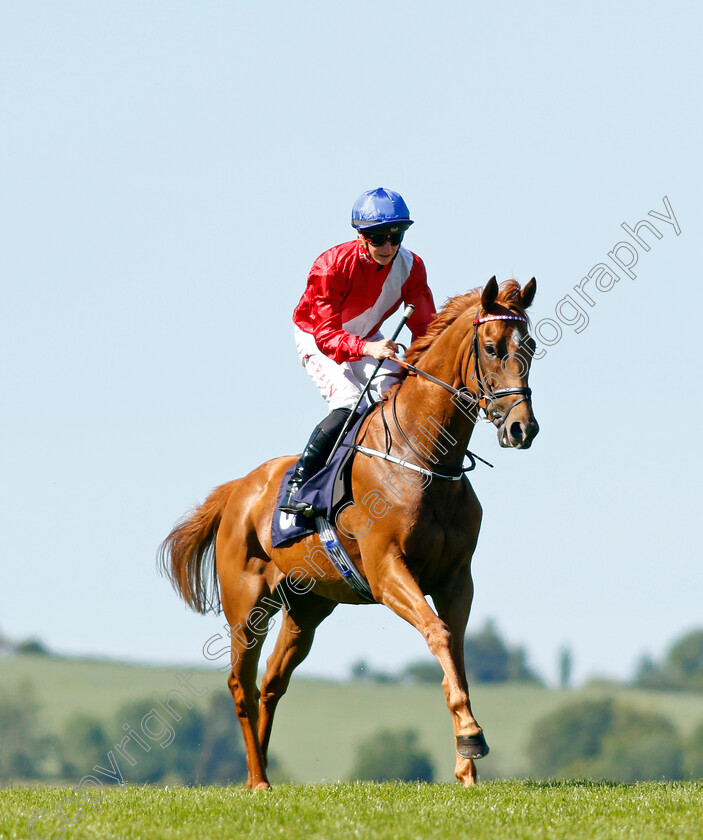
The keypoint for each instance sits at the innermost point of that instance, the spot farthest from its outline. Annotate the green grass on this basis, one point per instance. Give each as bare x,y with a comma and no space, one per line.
493,811
319,723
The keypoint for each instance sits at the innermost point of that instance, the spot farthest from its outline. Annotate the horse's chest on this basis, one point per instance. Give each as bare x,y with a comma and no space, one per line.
442,535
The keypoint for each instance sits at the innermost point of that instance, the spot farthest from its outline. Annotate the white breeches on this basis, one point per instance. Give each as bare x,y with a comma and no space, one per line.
341,384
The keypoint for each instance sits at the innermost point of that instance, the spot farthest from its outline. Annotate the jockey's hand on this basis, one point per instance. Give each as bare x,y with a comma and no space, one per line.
380,349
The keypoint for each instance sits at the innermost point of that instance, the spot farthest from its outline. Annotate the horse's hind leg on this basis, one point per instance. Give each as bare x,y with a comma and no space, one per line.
248,619
295,638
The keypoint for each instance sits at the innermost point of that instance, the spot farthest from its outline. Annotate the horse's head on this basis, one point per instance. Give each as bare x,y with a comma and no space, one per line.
499,361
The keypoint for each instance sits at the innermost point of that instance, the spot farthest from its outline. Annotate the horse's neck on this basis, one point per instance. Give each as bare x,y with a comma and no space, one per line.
441,427
442,422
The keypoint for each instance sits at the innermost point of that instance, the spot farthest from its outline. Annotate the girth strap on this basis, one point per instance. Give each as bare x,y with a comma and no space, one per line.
341,560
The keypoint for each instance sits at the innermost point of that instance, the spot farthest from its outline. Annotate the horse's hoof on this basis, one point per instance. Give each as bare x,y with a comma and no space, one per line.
261,786
472,746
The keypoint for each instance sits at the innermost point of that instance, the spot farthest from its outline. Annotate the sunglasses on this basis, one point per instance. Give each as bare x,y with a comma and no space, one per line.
379,239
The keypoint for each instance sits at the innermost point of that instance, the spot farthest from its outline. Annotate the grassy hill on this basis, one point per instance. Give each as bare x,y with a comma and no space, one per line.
319,723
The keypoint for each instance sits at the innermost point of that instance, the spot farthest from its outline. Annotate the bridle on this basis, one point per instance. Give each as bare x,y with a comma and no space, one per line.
486,393
486,396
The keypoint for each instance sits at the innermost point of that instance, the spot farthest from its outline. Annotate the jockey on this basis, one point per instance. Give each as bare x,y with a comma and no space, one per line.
351,290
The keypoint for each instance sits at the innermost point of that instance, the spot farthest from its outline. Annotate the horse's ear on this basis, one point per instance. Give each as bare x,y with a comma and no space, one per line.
528,293
490,293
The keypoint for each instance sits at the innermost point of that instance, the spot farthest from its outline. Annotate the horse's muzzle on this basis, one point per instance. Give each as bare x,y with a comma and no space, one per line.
518,433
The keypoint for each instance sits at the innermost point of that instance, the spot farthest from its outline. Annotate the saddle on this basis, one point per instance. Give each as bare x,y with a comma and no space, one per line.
324,492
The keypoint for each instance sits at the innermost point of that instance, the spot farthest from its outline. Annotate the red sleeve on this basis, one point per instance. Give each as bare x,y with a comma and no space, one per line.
417,292
328,282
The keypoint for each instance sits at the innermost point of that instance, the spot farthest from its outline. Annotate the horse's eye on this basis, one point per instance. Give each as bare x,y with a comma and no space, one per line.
490,349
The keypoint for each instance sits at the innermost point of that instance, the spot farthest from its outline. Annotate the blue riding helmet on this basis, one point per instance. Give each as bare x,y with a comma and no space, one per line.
380,208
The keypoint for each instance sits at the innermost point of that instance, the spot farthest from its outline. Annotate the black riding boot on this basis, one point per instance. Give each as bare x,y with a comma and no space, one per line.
313,458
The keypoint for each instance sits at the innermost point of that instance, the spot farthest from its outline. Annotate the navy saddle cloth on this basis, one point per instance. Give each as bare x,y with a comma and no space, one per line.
324,491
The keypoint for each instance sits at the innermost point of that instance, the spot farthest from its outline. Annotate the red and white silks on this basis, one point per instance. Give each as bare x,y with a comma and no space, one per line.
347,298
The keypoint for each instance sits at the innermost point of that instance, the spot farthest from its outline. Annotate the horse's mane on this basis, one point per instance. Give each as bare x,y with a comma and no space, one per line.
508,295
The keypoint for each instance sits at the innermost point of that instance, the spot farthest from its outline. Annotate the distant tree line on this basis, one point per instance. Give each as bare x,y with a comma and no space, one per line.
608,739
31,647
392,755
488,659
681,669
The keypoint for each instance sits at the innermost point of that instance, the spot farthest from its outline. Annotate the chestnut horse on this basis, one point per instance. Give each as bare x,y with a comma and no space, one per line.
410,534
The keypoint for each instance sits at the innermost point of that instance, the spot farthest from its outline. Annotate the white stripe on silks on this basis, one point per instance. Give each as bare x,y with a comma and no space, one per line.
363,323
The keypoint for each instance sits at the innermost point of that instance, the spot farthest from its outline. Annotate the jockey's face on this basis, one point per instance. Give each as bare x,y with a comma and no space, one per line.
382,254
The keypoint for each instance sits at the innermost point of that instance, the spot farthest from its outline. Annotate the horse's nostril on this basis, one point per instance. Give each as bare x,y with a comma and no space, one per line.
516,430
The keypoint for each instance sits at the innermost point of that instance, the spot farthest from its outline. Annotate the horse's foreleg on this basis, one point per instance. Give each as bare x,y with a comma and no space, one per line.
399,591
293,644
454,605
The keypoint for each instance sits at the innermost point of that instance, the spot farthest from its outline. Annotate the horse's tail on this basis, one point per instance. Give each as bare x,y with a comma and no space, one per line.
187,555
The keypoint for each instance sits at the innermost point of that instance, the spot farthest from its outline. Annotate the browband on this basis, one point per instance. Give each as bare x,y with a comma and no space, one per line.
483,320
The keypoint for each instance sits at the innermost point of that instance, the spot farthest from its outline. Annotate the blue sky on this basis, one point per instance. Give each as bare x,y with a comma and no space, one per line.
170,171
